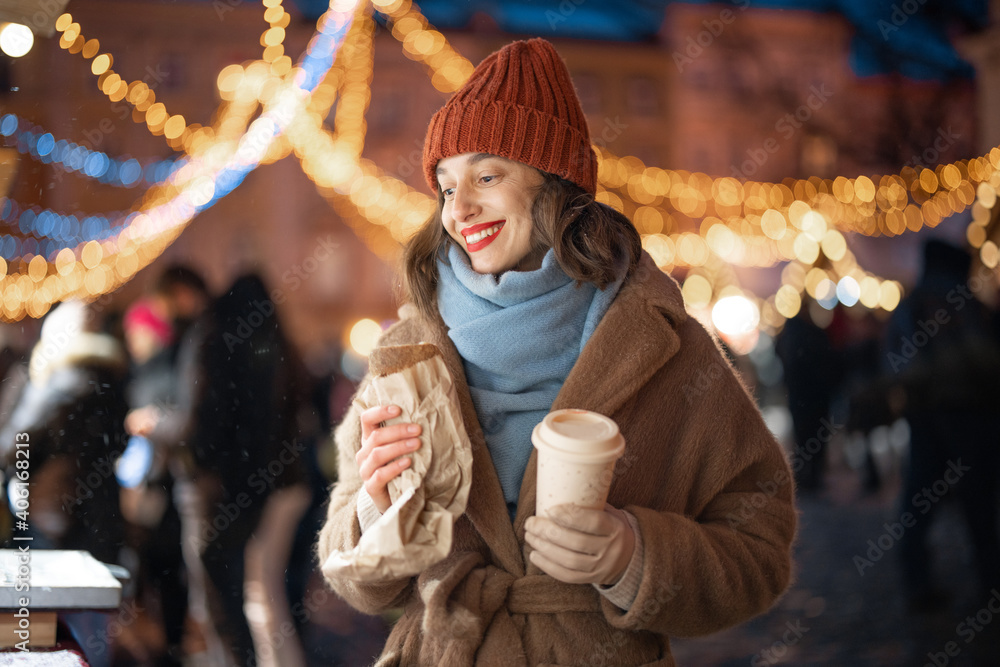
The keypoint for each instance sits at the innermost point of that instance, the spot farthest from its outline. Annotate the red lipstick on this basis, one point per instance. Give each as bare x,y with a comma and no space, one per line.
482,243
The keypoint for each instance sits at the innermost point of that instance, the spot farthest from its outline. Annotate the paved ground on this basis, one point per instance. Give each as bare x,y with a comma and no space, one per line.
835,616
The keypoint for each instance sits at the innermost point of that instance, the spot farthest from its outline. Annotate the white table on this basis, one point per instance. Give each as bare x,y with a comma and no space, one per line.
37,584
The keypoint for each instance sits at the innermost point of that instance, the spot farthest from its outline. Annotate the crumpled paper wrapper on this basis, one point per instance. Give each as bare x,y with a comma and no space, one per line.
427,498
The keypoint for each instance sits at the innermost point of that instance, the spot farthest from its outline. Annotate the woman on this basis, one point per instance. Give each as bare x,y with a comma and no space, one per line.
541,299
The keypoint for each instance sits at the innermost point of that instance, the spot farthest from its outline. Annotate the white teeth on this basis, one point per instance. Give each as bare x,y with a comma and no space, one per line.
479,236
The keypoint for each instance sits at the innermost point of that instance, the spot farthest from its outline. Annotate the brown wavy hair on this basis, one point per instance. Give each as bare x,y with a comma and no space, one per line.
592,241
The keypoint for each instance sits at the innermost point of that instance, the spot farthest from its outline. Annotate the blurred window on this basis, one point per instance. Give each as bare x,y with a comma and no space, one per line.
642,96
588,89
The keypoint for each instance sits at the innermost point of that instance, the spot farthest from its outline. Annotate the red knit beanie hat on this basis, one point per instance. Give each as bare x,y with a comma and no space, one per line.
519,104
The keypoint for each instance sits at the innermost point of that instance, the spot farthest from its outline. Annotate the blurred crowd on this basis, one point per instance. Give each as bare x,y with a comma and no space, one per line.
180,439
913,396
183,438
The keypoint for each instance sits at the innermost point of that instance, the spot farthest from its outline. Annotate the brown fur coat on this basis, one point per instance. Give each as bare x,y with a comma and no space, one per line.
707,482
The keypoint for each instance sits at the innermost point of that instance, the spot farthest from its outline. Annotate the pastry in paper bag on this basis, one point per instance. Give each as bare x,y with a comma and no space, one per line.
427,498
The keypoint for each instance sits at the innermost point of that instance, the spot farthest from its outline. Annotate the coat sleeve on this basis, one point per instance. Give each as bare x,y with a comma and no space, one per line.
177,422
722,554
342,530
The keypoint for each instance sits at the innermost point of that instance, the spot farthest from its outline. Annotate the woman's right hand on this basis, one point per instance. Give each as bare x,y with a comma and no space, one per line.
380,447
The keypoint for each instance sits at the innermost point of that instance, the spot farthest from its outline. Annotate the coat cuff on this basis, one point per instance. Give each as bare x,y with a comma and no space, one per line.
622,594
368,513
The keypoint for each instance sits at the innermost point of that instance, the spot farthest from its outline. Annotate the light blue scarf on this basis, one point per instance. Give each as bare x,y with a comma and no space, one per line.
519,337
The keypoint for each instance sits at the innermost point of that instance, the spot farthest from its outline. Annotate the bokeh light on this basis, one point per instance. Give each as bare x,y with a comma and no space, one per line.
364,336
734,315
16,40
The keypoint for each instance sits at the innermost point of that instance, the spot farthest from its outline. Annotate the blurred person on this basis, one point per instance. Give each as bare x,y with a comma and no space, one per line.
244,491
144,469
72,412
16,341
180,297
810,370
943,352
165,332
185,295
538,297
862,396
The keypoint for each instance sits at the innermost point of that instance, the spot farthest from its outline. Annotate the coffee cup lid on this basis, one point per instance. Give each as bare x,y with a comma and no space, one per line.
581,432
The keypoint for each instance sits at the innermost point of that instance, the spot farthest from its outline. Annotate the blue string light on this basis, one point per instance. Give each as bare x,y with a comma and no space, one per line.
119,172
46,231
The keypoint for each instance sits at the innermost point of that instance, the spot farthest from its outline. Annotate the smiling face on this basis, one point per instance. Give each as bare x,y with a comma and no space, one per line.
487,210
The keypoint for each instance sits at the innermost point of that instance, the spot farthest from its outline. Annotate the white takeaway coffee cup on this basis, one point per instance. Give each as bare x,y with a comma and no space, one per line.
577,450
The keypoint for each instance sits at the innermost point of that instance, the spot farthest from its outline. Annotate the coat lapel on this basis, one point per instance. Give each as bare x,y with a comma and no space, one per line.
636,337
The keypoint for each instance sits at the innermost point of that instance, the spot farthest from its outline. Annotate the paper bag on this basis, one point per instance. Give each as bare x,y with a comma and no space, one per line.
427,498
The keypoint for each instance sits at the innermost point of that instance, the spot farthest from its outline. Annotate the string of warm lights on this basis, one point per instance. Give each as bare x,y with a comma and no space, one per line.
981,228
448,68
349,126
761,222
332,160
273,38
139,94
100,226
904,202
762,238
845,282
388,208
95,268
244,87
899,203
142,97
382,211
691,249
756,224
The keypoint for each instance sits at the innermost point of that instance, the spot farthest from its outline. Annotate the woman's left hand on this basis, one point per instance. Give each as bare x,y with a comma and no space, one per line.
581,546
